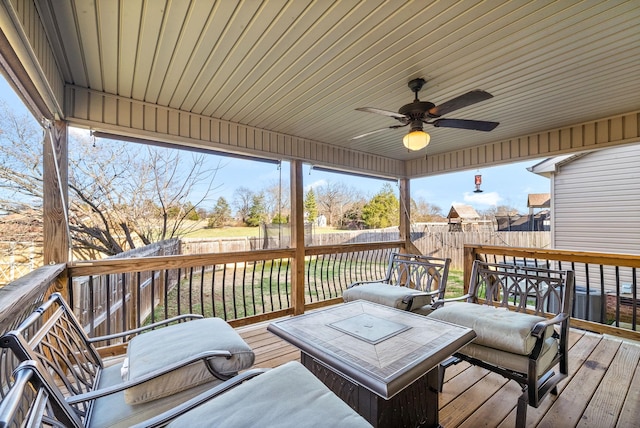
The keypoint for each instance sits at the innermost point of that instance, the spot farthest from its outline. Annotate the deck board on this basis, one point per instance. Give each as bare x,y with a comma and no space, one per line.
602,389
572,402
631,407
609,397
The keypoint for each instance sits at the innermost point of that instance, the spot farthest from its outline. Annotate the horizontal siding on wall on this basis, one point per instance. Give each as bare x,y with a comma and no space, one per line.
597,202
117,115
621,129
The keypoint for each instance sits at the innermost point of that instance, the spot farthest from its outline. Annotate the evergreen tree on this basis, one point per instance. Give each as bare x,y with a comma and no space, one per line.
280,219
221,213
382,210
257,210
310,206
191,212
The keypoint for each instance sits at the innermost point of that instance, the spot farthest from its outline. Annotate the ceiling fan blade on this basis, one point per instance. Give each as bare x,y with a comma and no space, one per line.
475,125
382,112
377,130
459,102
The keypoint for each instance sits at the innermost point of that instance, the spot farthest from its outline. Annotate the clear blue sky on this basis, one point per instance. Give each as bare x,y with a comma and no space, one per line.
502,185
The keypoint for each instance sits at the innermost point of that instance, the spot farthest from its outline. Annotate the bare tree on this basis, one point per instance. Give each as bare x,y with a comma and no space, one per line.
334,200
500,210
121,195
423,211
242,200
130,195
276,199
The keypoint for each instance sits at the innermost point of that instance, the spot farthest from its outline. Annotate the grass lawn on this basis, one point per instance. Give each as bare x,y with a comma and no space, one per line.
224,232
455,284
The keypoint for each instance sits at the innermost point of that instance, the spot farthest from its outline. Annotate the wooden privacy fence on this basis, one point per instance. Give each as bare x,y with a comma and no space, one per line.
451,244
228,245
438,243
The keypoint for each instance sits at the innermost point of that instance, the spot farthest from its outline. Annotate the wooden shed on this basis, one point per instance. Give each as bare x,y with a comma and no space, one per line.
539,201
462,217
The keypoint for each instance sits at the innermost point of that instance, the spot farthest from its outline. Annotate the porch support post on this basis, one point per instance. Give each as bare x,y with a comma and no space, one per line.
297,237
405,217
56,194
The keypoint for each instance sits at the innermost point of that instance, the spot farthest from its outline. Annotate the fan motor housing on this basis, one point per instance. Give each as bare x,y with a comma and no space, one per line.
416,109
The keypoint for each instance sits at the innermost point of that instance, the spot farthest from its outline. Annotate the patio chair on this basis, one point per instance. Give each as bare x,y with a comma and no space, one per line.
412,283
521,318
164,367
287,396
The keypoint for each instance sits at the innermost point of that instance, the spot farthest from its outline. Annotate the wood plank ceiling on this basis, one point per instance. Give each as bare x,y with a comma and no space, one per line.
302,67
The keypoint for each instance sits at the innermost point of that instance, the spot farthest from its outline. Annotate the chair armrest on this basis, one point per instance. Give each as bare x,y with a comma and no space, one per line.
539,328
409,297
147,377
163,418
441,302
355,284
185,317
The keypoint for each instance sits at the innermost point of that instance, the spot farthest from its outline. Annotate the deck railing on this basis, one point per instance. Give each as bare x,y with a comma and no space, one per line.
606,287
115,295
20,297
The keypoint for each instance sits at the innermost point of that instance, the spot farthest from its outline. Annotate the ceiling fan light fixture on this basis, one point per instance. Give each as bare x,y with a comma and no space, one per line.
416,140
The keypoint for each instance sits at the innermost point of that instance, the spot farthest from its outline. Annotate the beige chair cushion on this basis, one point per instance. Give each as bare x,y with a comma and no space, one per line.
159,348
113,412
287,396
509,360
497,328
385,294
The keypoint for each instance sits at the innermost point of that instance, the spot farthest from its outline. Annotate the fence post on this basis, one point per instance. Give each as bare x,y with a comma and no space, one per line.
133,302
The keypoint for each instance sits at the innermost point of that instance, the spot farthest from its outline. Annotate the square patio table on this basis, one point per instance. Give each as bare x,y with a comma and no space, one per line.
381,361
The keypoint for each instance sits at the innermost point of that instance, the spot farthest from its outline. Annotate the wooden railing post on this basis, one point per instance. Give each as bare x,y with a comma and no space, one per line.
405,218
55,199
468,258
297,238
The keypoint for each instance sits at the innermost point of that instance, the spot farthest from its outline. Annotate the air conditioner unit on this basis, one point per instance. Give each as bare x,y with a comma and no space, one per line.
595,310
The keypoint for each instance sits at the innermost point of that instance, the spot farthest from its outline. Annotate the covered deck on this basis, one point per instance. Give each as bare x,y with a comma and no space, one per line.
281,81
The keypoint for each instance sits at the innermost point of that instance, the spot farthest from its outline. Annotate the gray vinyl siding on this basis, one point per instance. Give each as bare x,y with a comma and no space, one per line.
597,202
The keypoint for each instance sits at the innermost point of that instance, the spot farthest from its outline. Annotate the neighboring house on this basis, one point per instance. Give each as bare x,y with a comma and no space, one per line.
538,222
533,222
462,217
595,206
595,201
321,221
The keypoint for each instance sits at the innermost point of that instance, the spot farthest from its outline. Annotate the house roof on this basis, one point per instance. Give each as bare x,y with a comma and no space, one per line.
464,212
539,200
549,166
282,80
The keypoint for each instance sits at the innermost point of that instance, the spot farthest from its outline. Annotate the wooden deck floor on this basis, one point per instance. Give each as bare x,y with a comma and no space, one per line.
602,390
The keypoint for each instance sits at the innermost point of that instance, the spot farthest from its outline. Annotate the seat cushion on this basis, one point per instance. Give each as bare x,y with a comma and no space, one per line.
112,411
511,361
287,396
497,328
159,348
385,294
